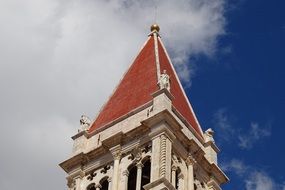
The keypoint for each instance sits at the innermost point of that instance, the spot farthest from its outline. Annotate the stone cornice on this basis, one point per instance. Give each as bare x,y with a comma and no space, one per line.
81,159
165,91
80,134
219,174
213,145
113,140
162,183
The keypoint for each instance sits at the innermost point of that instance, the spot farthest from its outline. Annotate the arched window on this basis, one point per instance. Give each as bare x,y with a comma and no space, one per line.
104,183
132,177
91,187
145,173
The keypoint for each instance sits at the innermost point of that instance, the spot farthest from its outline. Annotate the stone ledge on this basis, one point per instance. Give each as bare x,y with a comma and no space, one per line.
160,184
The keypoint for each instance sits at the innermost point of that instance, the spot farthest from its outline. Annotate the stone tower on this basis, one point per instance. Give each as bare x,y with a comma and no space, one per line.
146,136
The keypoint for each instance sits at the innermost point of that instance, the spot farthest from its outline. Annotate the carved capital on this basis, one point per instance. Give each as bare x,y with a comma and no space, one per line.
117,154
109,179
173,168
98,186
126,173
190,160
139,165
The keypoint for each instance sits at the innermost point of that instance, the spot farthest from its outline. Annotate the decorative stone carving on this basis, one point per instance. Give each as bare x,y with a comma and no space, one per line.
209,135
84,123
146,148
199,185
136,154
71,183
139,165
162,170
190,160
176,159
105,169
91,176
164,81
117,154
126,173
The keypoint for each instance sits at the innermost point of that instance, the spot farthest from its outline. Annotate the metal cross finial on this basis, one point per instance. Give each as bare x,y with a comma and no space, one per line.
155,13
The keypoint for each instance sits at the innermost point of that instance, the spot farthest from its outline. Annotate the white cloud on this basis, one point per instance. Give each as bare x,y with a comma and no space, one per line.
259,181
223,123
253,178
254,134
59,59
235,165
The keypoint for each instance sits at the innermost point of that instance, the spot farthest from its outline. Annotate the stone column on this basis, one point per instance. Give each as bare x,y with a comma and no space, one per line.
173,175
180,182
126,178
139,175
110,183
115,178
98,187
190,161
165,157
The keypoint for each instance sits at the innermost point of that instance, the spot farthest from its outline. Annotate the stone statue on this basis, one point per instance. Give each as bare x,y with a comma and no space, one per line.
164,81
209,135
84,123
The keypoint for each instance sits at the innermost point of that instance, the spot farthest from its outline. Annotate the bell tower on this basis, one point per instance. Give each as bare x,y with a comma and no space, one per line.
146,136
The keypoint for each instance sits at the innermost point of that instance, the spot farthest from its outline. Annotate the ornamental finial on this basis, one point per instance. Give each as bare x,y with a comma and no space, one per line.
154,28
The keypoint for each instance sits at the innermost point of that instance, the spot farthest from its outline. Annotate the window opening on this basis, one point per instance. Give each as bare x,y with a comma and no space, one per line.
105,184
91,187
145,173
132,178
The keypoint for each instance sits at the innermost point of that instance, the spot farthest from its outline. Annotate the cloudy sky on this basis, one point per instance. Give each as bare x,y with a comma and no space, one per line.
60,59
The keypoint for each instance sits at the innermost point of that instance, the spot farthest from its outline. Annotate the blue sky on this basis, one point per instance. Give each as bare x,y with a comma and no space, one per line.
62,59
240,93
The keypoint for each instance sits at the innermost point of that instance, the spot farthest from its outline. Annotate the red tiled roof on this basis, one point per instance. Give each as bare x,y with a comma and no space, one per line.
134,90
140,82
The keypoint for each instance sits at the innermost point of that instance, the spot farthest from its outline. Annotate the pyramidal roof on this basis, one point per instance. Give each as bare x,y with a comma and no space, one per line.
141,81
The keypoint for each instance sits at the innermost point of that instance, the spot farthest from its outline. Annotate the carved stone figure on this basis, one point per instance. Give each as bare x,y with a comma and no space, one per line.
209,135
164,81
84,123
